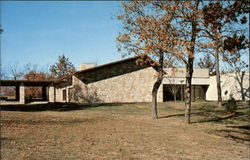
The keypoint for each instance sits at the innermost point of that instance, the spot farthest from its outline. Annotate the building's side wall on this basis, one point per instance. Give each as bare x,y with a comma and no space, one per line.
131,87
178,80
229,85
181,72
59,95
51,91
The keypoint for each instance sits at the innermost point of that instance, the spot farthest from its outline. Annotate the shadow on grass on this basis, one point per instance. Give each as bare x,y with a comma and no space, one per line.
199,112
236,138
245,127
173,115
56,106
219,119
237,133
204,109
178,115
209,113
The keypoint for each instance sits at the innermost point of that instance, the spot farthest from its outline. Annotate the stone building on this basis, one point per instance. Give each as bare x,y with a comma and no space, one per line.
120,81
125,81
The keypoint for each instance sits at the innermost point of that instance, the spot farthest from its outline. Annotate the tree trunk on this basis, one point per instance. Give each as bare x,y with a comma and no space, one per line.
189,74
217,69
156,87
175,97
241,85
240,79
189,67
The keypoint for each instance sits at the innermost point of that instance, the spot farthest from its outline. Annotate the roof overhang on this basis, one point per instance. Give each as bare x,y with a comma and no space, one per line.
179,81
25,83
98,73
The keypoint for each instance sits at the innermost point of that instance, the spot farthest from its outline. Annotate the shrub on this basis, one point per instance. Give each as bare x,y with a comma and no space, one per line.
231,105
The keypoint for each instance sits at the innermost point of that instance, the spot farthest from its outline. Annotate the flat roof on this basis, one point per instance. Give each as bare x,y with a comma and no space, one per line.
25,82
179,72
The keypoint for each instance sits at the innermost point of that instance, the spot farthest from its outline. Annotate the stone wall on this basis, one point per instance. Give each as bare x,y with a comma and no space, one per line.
109,70
130,87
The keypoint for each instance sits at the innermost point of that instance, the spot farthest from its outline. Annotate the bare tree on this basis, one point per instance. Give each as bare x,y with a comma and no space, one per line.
233,57
161,29
174,89
220,17
3,73
207,62
177,28
15,71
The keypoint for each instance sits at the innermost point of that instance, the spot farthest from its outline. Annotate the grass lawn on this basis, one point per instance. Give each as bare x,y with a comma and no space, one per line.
124,131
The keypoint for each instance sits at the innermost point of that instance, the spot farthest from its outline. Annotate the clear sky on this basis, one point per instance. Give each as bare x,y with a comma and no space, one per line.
38,32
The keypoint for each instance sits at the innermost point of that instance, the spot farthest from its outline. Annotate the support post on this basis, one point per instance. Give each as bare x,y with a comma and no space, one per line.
17,93
21,94
51,93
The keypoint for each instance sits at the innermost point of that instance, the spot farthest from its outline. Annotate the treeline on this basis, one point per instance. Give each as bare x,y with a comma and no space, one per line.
60,69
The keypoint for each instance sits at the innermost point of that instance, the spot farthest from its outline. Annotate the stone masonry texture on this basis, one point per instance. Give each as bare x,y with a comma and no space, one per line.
134,86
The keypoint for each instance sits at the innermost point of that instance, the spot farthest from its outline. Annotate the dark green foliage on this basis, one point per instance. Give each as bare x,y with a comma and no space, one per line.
62,68
231,105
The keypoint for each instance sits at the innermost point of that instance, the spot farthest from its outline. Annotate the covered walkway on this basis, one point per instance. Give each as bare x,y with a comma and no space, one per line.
20,90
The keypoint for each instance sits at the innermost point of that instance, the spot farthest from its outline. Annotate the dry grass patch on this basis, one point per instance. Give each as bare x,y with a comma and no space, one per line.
124,131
